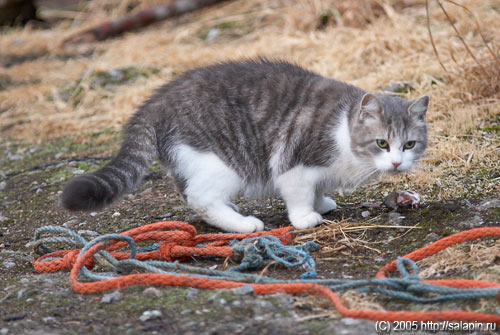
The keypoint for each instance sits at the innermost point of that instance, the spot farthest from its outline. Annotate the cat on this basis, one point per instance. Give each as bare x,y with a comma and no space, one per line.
259,127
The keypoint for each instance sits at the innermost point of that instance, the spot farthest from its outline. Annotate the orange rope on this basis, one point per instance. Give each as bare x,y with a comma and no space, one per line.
183,248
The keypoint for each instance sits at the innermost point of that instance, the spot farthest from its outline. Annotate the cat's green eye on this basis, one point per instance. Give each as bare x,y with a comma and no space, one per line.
383,144
409,145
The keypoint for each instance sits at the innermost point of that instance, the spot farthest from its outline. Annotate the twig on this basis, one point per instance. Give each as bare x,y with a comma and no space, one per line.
137,20
460,37
495,56
430,36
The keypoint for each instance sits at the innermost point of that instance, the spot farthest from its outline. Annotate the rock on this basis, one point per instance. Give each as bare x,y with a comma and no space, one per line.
3,185
365,214
49,320
243,290
8,264
4,331
149,315
93,213
13,317
431,237
115,214
70,223
111,297
153,292
192,293
489,204
3,218
236,303
395,218
78,171
475,221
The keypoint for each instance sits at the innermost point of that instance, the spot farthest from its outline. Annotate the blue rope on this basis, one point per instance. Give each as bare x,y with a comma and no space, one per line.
252,253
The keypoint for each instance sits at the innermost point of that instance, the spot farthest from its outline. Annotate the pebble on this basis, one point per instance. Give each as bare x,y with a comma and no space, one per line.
49,319
152,292
3,185
4,331
78,171
431,237
3,218
70,223
490,203
395,217
13,317
148,315
243,290
93,213
8,264
111,297
365,214
115,214
192,293
236,303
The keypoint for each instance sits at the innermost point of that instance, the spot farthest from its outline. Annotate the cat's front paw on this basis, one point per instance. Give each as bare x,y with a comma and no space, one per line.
249,224
306,221
324,205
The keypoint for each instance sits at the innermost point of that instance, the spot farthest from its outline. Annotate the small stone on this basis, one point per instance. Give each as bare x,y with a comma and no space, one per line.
431,237
212,34
148,315
111,297
378,259
49,319
395,217
365,214
78,171
58,155
8,264
243,290
115,214
236,303
3,185
490,204
223,302
13,317
186,311
152,292
4,331
93,213
70,223
192,293
38,190
3,218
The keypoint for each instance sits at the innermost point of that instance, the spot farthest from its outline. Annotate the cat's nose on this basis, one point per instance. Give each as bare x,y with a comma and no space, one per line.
396,164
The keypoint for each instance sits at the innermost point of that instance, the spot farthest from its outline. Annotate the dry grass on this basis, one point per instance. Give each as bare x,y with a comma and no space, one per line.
369,46
465,260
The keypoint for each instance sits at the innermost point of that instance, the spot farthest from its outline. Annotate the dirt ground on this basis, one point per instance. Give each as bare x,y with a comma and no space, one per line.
60,107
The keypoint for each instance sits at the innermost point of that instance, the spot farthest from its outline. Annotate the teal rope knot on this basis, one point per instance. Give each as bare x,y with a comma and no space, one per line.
252,252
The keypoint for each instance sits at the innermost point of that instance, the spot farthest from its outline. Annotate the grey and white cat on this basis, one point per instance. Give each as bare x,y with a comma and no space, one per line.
260,128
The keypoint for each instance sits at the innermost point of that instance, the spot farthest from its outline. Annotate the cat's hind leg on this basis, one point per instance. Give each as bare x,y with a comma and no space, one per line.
209,187
298,188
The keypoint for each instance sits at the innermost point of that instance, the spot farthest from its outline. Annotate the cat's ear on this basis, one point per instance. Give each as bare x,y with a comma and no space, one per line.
370,108
418,107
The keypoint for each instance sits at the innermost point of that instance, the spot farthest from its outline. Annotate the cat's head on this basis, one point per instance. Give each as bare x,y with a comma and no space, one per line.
389,132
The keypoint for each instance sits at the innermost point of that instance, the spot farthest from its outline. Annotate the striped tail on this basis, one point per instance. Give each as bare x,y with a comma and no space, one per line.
100,188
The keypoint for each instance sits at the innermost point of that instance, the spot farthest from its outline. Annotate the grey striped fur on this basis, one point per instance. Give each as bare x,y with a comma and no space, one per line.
245,113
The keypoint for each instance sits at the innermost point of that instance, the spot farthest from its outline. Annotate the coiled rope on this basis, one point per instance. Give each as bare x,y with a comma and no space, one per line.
179,241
